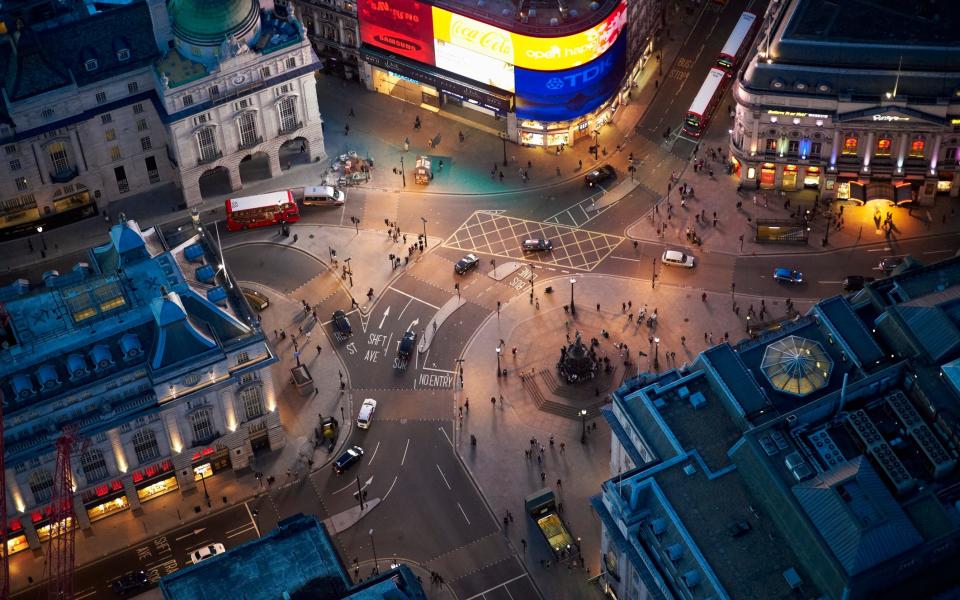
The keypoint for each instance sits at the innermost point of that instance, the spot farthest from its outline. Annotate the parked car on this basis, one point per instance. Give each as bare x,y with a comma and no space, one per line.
852,283
201,554
342,324
407,343
130,582
889,263
599,175
787,275
466,263
346,459
367,409
537,245
675,258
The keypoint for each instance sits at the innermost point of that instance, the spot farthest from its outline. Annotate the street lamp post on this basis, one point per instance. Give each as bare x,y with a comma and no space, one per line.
653,279
573,307
424,232
349,269
503,138
403,175
656,353
203,480
531,284
460,370
583,426
376,567
43,242
498,361
596,144
456,286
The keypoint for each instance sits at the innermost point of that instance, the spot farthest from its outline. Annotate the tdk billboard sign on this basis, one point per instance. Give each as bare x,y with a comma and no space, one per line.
565,95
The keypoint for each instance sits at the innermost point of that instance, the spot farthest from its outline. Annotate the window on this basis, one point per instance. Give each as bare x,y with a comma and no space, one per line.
145,445
201,119
202,427
19,203
115,154
771,145
21,184
214,91
243,357
101,97
110,135
884,144
142,125
58,157
137,108
47,113
252,399
122,185
242,104
207,144
815,149
950,154
123,54
793,147
188,100
93,466
132,87
850,146
265,72
288,114
152,172
90,65
291,62
280,90
15,164
10,149
106,119
247,123
41,485
145,143
194,50
916,148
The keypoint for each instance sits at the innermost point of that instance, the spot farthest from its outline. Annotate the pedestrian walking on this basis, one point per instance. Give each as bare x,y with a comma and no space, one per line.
493,400
598,307
563,447
683,340
703,297
705,337
319,349
276,335
559,483
543,477
551,440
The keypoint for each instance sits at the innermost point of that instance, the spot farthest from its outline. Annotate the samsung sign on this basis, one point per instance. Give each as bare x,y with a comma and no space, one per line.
568,94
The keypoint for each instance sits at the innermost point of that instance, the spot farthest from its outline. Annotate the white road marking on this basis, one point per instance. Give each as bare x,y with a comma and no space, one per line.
939,251
390,489
194,532
386,314
445,435
630,259
415,298
252,520
444,478
475,596
440,370
405,448
374,454
242,531
878,249
829,282
404,309
463,513
87,595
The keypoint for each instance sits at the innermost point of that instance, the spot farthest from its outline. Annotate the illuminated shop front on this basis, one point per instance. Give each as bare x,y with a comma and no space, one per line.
208,461
768,176
16,538
105,500
154,481
41,522
551,91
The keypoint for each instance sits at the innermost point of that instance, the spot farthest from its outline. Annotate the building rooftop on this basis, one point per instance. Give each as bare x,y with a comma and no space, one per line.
296,558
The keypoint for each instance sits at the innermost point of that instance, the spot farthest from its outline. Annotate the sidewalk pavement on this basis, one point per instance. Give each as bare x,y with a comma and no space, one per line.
505,427
718,195
298,416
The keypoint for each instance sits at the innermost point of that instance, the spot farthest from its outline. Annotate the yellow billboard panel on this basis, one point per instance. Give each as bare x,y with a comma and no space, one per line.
537,53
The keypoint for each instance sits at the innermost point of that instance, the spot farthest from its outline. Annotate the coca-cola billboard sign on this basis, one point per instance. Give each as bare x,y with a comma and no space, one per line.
402,27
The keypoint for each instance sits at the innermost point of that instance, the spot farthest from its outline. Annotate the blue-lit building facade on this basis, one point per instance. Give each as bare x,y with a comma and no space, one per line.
815,460
150,353
548,75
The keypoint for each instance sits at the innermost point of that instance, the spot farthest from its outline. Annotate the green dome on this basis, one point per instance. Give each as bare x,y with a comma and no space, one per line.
209,22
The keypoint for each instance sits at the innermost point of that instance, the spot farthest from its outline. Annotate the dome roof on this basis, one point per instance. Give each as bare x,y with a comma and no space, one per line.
209,22
796,365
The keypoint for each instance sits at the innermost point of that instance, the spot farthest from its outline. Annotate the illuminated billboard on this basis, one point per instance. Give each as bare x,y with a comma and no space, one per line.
474,65
534,53
565,95
402,27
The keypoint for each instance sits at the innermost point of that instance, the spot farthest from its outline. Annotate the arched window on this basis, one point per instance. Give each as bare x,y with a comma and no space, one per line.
247,124
93,465
207,144
41,485
58,158
202,427
145,445
252,399
287,110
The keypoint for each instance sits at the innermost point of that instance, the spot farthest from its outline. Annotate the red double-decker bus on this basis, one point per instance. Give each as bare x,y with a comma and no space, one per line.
261,210
738,43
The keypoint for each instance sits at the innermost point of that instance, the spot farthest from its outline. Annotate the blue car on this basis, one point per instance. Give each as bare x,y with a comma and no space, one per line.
788,275
346,459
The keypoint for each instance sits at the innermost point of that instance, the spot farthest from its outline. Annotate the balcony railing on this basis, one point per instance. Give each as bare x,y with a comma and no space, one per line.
206,160
290,128
64,175
254,142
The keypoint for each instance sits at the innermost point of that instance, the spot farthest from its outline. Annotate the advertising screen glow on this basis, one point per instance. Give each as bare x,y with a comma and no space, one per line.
535,53
402,27
565,95
474,65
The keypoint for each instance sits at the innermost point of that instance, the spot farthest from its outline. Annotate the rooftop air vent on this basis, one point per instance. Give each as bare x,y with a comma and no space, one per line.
675,552
193,253
777,84
691,579
800,85
823,88
22,386
77,367
49,277
47,376
205,273
101,358
217,295
658,526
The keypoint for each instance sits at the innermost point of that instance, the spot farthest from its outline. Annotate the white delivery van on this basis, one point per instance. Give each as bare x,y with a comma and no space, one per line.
323,195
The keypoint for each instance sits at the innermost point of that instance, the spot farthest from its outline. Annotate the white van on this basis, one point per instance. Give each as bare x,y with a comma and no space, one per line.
367,409
323,195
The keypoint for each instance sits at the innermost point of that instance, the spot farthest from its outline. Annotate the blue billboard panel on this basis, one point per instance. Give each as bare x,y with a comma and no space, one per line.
566,95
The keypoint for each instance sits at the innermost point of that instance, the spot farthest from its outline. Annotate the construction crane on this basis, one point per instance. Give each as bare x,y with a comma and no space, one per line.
60,557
